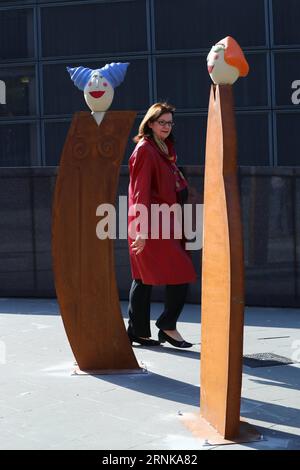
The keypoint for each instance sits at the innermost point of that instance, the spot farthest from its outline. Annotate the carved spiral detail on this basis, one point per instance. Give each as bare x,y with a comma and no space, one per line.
108,147
80,148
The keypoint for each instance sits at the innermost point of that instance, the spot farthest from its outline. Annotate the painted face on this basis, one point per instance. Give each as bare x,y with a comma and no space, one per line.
162,126
98,93
215,56
220,72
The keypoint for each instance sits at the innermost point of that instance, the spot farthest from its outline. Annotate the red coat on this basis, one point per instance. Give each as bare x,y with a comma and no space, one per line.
152,181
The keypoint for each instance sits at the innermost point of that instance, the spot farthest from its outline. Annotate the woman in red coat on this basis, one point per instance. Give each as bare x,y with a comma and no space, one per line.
157,257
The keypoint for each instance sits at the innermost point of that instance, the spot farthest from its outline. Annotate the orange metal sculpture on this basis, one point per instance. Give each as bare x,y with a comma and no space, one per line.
222,283
84,265
222,271
222,262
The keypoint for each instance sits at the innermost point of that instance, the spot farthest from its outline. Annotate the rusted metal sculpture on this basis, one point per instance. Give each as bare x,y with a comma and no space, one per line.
222,271
84,268
84,265
222,265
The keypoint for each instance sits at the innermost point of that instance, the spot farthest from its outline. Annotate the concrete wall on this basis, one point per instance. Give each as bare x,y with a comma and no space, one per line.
271,218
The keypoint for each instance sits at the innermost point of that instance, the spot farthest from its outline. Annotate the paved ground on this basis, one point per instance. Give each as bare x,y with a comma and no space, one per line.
43,406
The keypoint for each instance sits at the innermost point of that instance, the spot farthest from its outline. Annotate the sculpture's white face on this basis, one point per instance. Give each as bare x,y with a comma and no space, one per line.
98,93
220,72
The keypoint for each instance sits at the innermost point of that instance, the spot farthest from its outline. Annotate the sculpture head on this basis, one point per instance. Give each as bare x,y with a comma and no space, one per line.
226,62
98,85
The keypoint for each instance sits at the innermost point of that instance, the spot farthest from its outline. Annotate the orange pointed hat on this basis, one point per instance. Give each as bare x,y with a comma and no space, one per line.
234,55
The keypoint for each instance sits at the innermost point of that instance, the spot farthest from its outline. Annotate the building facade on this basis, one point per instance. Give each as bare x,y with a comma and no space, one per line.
166,43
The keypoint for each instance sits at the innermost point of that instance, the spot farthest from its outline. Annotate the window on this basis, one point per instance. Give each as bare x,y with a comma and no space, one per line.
183,81
286,72
13,3
20,91
253,90
16,34
190,134
286,16
287,126
60,95
18,144
133,93
55,136
253,139
16,231
56,1
297,230
199,24
102,28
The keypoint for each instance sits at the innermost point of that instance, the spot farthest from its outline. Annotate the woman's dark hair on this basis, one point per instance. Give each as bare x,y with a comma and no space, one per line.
153,113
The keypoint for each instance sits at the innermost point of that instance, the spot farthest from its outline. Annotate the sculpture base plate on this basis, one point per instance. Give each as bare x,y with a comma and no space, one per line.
206,432
78,371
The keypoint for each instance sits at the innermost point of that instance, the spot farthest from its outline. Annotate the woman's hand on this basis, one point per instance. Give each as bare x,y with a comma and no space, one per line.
139,244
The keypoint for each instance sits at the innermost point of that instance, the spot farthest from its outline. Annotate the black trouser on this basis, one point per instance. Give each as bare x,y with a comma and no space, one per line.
139,307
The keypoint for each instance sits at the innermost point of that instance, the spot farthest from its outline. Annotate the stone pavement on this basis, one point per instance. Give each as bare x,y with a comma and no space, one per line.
43,406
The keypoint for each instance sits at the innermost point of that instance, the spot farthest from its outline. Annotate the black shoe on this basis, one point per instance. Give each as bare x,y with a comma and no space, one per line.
163,337
141,341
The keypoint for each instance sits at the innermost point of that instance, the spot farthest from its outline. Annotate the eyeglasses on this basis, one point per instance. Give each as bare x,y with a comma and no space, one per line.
163,123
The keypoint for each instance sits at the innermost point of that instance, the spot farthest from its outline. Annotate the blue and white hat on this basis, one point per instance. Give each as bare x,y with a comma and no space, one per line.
114,74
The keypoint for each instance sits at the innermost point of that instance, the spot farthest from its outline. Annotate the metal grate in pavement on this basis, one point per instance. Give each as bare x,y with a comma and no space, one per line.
265,360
